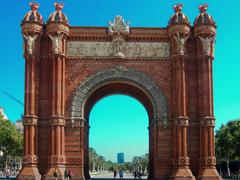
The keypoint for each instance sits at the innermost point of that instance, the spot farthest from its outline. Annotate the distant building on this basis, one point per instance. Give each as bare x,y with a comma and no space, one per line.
3,114
19,126
120,158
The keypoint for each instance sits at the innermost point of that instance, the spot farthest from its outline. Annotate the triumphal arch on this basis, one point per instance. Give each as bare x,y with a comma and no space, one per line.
169,70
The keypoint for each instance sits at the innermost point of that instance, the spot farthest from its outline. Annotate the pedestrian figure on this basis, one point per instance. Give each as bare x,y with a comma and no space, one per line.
135,174
121,174
114,174
55,174
7,173
70,174
139,175
66,174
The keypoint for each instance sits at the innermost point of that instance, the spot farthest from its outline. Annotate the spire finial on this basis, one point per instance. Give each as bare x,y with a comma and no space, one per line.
203,7
58,6
178,7
34,6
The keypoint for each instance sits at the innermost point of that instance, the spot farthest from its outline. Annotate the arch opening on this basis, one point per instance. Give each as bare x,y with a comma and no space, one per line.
119,87
108,89
118,124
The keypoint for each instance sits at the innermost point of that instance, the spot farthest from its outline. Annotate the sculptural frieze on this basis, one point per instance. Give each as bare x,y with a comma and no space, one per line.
56,43
118,25
180,43
118,48
30,42
208,45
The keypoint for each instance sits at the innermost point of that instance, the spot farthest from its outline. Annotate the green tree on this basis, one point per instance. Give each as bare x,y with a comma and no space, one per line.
140,163
228,141
92,159
11,141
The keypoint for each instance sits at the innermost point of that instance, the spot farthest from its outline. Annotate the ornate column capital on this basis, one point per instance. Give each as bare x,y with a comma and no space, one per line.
30,120
205,35
207,121
58,32
31,32
181,121
57,121
179,33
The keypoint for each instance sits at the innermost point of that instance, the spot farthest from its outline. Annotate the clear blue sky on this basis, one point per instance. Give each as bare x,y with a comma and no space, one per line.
153,13
119,123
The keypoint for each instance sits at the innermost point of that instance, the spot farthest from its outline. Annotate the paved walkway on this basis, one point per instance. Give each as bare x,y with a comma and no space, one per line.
102,176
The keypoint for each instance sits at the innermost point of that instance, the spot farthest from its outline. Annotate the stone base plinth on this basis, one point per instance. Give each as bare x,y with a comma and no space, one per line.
49,175
181,173
208,174
29,173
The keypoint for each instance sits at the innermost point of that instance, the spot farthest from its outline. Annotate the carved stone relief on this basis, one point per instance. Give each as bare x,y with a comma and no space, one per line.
30,43
208,45
56,43
180,43
110,49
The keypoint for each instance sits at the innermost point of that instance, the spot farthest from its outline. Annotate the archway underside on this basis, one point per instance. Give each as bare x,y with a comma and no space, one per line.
119,87
114,87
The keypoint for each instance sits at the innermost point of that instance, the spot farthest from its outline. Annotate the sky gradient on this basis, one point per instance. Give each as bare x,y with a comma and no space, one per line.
154,13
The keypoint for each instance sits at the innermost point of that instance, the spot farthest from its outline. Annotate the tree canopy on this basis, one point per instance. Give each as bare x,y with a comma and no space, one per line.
228,141
98,163
11,141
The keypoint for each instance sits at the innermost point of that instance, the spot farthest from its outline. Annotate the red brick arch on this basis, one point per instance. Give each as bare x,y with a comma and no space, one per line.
119,80
169,70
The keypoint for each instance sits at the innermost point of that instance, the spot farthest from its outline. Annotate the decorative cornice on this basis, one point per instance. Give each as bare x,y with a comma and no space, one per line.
205,29
33,27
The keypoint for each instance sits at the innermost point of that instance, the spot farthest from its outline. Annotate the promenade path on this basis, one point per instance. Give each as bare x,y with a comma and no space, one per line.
108,176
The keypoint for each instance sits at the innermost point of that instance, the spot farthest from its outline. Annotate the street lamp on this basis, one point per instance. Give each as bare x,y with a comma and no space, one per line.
1,155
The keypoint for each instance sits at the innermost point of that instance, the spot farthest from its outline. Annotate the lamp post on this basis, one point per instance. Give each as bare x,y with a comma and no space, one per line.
1,155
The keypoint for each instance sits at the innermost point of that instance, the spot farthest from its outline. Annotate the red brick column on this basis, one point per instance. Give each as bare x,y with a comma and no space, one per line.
30,122
180,121
75,161
56,158
207,160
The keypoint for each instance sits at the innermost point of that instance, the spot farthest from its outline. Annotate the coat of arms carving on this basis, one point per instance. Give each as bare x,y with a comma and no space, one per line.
118,25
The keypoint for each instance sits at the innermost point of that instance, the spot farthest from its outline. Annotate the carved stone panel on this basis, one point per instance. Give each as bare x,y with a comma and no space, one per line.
131,49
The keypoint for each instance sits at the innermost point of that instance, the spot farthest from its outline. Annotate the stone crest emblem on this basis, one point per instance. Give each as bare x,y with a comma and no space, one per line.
118,25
